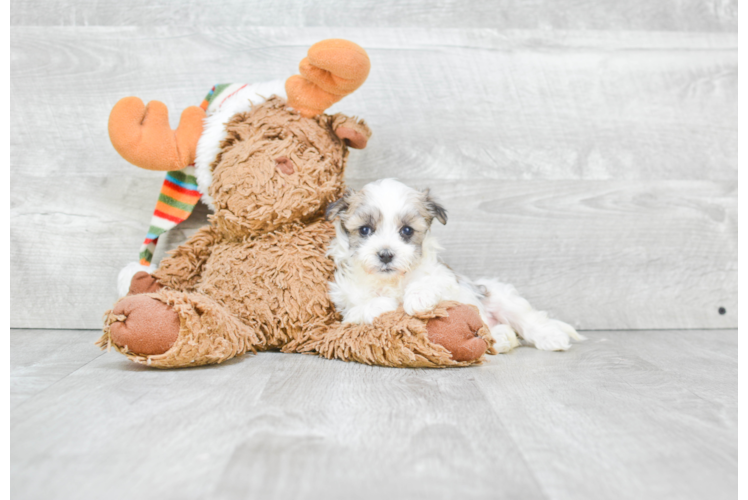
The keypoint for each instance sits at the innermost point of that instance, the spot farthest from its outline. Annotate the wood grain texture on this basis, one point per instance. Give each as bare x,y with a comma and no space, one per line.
601,253
442,103
598,254
621,415
41,358
596,171
739,210
625,411
666,15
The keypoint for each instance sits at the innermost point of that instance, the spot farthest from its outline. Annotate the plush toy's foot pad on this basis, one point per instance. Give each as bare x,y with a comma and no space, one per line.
149,326
460,333
143,282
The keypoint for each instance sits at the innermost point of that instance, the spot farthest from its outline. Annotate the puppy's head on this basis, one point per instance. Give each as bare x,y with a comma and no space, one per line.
385,224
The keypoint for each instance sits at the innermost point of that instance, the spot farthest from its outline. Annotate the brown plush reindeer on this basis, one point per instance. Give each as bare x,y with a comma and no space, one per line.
256,277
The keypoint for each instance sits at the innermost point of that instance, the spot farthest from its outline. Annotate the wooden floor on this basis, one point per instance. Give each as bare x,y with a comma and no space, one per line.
648,414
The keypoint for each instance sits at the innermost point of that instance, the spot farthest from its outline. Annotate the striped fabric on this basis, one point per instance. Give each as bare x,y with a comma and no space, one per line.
178,198
219,94
179,193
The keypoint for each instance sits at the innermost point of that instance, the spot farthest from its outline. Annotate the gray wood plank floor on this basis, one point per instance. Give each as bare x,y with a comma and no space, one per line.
650,414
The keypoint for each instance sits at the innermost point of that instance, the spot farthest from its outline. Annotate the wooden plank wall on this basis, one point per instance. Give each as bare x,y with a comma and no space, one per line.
586,151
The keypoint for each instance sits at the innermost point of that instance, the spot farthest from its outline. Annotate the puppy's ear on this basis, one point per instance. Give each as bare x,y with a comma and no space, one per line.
434,209
338,207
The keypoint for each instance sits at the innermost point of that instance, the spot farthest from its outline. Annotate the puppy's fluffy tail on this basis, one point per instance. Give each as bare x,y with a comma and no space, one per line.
505,305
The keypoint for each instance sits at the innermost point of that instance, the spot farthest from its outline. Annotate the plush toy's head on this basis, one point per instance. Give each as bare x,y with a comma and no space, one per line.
259,161
276,166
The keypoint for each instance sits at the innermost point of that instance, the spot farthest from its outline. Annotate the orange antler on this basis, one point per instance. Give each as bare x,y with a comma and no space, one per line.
332,69
142,135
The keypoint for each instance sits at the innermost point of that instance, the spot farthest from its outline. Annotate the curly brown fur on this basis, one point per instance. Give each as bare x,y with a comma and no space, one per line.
257,277
249,193
183,268
208,333
393,339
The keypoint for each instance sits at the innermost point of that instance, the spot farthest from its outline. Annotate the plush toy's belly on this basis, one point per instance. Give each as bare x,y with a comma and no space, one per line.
276,283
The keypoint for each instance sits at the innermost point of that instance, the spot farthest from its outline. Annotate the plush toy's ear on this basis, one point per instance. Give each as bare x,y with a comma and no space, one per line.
433,208
336,208
354,132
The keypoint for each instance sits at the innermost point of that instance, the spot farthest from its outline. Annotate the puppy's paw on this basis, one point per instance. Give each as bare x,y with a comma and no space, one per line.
552,335
365,313
553,343
420,300
506,338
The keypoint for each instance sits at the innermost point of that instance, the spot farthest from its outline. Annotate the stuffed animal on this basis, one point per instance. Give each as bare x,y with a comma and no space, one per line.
256,278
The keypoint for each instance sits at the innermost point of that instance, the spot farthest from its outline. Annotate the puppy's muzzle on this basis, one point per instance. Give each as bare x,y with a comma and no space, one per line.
385,256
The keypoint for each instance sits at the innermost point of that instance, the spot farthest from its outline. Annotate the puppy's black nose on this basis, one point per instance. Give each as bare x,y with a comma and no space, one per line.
385,256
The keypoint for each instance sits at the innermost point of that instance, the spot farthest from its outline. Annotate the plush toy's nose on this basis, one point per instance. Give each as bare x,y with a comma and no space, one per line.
284,165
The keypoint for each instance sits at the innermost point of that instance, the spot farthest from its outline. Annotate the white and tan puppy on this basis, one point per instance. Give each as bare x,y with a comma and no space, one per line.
386,257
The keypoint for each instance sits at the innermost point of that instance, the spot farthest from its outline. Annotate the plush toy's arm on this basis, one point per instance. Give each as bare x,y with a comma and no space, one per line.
184,266
450,335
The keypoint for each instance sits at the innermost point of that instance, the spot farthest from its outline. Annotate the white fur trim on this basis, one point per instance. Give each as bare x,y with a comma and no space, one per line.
220,111
125,276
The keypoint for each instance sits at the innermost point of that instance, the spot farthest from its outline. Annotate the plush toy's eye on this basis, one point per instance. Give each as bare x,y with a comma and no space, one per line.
365,231
406,232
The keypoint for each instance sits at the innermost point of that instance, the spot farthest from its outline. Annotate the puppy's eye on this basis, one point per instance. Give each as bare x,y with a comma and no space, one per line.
365,231
406,232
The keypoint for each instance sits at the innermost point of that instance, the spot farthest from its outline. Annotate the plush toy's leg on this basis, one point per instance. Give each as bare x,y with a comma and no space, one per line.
461,331
179,271
144,325
170,328
450,335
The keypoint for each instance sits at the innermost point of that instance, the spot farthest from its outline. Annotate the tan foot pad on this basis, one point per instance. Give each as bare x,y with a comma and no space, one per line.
150,327
460,333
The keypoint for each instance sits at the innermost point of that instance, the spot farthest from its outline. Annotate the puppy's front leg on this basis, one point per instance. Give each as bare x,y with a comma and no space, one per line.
366,312
421,296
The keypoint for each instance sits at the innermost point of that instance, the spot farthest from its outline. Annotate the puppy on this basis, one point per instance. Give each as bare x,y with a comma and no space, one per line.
386,256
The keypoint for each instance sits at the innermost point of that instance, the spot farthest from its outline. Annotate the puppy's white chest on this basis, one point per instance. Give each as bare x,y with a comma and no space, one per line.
393,289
